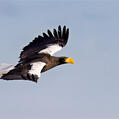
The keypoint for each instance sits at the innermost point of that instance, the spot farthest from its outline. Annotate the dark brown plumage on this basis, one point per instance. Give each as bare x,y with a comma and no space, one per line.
21,70
37,56
42,42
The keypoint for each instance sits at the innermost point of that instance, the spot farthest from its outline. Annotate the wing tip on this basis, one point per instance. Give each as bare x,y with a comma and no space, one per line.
60,35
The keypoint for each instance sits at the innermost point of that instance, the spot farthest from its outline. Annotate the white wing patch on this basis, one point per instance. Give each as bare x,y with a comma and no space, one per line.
51,49
36,68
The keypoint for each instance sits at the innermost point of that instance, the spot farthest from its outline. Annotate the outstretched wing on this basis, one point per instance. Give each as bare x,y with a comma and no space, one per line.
48,43
30,71
34,72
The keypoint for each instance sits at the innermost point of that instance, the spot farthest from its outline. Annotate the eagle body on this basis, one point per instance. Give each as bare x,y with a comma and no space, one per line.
37,58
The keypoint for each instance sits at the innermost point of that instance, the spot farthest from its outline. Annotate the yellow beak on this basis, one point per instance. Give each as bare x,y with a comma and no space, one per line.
69,60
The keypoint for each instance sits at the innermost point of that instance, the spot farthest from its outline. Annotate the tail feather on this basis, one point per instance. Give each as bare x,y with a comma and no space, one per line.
11,72
5,68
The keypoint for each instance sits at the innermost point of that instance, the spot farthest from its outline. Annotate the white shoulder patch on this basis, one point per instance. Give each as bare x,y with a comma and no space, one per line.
36,68
51,49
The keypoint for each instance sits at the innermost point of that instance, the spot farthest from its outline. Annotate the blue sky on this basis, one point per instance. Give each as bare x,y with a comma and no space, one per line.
89,89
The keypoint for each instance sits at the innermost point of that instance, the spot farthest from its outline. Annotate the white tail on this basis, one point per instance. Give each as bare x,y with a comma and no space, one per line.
5,68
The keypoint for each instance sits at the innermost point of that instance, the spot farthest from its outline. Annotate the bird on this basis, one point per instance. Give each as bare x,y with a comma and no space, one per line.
38,56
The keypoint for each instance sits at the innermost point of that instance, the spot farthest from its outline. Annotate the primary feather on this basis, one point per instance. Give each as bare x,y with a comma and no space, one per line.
36,57
47,41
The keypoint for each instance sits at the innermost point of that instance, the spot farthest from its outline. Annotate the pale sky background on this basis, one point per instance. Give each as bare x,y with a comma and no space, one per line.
89,89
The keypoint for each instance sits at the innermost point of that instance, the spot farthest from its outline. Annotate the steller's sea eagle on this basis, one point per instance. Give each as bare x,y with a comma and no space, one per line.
37,57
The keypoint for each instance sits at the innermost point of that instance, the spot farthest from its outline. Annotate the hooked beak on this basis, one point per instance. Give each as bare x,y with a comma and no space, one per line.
69,60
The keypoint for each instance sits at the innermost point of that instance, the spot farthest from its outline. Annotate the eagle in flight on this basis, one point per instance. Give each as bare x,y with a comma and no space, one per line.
37,57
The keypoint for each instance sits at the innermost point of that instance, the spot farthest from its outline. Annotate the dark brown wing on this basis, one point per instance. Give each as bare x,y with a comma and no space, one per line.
42,43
